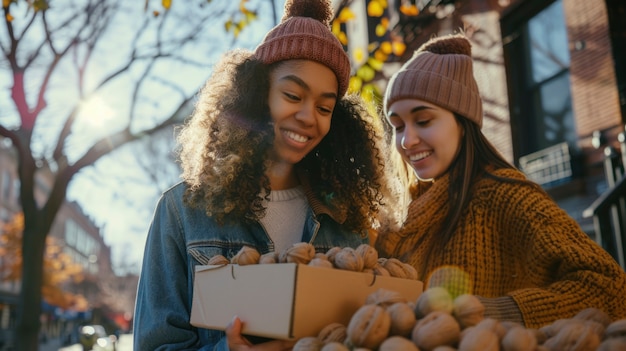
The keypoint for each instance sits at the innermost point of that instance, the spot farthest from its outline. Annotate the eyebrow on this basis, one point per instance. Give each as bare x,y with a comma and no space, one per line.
413,110
304,85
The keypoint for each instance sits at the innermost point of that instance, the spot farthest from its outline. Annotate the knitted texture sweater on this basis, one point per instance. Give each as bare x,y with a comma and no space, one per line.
512,241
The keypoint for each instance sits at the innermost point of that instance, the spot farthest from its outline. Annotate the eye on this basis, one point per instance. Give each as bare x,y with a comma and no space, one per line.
291,96
423,122
396,123
325,110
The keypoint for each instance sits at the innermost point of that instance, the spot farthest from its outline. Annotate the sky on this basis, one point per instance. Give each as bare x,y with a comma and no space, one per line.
116,192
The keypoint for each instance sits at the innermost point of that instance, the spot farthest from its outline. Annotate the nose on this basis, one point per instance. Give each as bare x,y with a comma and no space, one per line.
409,138
306,114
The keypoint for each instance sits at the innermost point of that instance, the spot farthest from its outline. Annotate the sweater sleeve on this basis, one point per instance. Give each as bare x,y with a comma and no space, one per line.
569,271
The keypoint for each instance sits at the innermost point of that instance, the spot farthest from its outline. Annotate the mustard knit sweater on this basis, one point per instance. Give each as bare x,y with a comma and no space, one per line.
513,240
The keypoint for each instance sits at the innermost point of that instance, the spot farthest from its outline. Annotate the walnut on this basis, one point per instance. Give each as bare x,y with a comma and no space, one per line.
368,327
369,255
335,346
519,339
594,314
613,344
333,332
556,326
384,298
380,270
468,310
616,329
433,299
268,258
397,343
436,329
308,343
320,262
348,259
402,319
218,260
301,253
493,325
396,268
479,339
246,255
574,336
330,254
321,255
410,272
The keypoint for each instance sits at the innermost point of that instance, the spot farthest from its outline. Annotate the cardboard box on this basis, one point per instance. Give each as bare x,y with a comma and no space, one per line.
285,300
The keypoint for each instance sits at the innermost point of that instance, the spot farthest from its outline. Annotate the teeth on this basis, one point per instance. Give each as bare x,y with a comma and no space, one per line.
296,137
419,156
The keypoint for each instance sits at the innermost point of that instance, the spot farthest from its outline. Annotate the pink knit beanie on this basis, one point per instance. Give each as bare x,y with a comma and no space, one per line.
304,33
441,73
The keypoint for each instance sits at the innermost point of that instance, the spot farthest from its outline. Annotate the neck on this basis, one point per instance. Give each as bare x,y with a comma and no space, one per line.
282,176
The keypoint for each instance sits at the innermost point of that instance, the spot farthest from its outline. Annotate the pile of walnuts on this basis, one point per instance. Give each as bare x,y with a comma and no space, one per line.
362,259
438,322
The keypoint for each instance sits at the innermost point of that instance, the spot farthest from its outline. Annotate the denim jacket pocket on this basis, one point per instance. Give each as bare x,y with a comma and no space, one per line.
202,254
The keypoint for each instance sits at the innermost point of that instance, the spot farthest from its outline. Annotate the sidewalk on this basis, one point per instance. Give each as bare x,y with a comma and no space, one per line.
55,344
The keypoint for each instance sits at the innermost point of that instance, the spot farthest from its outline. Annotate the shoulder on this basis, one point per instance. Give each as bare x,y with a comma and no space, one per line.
509,187
174,194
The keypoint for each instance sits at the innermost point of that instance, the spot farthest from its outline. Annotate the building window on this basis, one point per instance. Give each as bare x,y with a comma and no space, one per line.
537,64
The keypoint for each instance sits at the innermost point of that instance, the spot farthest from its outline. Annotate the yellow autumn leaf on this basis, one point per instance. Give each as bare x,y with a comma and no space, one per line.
166,4
9,17
398,48
355,84
335,28
251,16
242,6
343,38
345,15
379,55
369,91
40,5
386,48
377,65
409,10
6,3
375,9
358,55
381,30
366,73
228,25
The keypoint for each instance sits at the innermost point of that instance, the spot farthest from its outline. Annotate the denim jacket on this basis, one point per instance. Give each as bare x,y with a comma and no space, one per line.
180,238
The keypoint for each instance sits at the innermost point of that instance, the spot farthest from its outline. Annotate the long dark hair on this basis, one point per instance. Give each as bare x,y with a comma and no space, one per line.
477,158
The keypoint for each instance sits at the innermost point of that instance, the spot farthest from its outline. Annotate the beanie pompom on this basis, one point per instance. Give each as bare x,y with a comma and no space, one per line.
452,44
318,10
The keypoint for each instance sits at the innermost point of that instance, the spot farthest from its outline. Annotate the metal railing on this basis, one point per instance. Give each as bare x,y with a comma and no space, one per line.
609,210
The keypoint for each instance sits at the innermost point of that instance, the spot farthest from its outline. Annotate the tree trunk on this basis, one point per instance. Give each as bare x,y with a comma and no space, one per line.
29,302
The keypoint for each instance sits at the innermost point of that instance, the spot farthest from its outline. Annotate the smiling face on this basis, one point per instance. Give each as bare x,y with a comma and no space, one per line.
302,97
427,136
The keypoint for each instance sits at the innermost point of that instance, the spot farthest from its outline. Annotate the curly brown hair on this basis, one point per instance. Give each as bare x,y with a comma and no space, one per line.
224,147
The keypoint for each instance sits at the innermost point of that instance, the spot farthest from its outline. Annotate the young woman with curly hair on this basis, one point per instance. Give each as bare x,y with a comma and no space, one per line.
275,153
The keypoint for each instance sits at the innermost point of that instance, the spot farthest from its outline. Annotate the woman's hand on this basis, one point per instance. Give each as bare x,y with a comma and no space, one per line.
236,342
